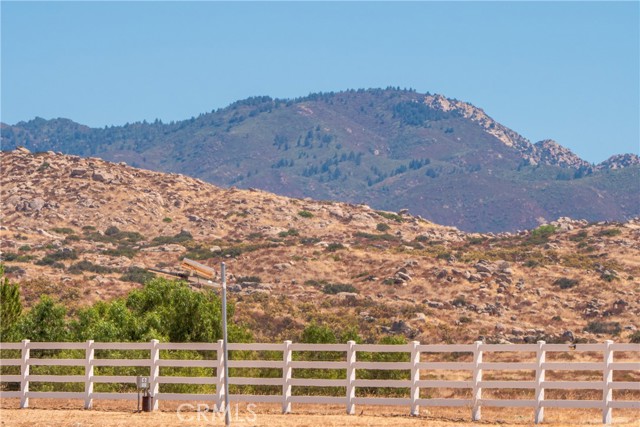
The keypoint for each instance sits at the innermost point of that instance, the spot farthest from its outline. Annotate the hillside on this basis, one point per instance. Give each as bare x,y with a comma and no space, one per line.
83,230
442,159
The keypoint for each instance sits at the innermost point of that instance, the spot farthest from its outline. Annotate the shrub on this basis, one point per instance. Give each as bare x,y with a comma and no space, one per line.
62,230
610,232
290,232
24,248
122,250
369,236
541,234
167,220
332,247
85,265
181,237
137,275
610,328
60,255
305,214
382,227
249,279
334,288
391,216
565,283
635,337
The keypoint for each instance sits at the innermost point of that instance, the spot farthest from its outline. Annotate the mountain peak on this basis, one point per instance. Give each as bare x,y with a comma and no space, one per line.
620,161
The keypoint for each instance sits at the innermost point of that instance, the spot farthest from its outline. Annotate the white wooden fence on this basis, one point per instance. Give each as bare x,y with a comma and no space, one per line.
415,366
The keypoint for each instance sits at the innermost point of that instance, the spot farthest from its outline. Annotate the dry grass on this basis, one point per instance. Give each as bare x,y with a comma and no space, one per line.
111,414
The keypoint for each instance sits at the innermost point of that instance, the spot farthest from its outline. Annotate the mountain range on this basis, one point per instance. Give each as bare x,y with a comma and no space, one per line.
440,158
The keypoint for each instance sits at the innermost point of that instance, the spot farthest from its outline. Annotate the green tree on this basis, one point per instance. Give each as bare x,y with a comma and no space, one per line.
44,322
10,306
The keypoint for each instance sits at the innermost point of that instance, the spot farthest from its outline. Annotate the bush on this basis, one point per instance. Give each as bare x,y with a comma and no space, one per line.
85,265
565,283
290,232
137,275
609,328
332,247
54,258
541,234
62,230
305,214
635,337
167,220
334,288
610,232
122,250
382,227
391,216
181,237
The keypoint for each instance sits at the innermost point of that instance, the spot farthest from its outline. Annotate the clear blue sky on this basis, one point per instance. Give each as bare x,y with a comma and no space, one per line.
566,71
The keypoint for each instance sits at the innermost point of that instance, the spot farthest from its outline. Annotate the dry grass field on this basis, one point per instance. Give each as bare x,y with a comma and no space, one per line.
111,414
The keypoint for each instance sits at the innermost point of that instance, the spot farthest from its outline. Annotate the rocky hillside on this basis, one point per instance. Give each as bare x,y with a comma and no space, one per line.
85,229
443,159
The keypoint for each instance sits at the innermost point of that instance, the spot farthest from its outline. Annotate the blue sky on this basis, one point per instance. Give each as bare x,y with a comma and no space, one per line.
567,71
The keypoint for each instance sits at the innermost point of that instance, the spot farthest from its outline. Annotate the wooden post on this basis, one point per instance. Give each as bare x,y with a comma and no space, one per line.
220,391
286,377
415,377
351,377
607,378
88,375
540,374
477,377
24,374
154,385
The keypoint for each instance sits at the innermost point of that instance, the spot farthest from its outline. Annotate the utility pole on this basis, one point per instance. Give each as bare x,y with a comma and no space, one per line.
227,410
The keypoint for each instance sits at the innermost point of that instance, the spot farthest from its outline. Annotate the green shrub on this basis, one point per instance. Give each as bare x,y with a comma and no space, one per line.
333,247
24,248
62,230
305,214
374,237
610,232
565,283
122,250
290,232
167,220
635,337
541,234
382,227
85,265
609,328
137,275
391,216
181,237
63,254
334,288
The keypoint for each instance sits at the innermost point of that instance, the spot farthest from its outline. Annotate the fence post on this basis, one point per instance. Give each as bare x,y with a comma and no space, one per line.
415,377
220,391
154,386
286,377
607,378
351,377
540,374
24,373
88,375
477,377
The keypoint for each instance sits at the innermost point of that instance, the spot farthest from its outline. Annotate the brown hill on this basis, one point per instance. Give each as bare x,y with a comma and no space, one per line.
441,158
77,228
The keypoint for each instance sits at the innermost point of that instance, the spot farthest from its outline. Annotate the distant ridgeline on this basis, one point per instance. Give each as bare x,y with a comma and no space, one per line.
441,158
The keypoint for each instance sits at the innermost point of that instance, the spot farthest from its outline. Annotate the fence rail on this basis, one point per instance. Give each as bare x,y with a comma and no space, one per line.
414,368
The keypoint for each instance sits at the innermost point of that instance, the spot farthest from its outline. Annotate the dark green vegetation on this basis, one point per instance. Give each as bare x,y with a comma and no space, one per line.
169,311
387,148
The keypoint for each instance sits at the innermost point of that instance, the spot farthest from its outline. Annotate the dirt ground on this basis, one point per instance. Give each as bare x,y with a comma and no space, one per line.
106,414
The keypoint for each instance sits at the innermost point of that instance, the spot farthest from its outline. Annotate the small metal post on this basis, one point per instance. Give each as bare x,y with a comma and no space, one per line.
227,413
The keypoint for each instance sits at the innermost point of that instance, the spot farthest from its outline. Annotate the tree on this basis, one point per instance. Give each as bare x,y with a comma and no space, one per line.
10,306
44,322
